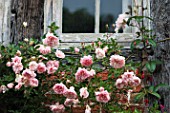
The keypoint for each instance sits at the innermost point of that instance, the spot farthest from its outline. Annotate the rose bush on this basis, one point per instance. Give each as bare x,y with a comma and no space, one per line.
40,75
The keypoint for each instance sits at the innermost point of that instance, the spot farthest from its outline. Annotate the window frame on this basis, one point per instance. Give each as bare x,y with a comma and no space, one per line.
53,10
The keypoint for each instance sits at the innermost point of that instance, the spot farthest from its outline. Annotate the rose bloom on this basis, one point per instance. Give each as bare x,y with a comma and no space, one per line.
33,65
51,70
88,109
41,68
100,53
117,61
102,96
59,54
76,50
18,53
27,73
9,64
10,85
70,93
17,67
135,81
68,102
44,49
16,59
83,92
51,40
18,86
81,74
57,108
119,83
105,49
59,88
33,82
86,61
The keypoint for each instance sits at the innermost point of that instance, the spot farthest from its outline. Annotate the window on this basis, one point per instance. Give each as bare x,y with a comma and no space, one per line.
95,8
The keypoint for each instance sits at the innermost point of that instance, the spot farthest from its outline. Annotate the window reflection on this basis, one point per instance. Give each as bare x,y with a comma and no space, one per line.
78,16
109,11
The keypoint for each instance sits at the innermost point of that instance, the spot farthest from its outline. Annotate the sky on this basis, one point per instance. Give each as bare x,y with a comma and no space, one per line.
113,7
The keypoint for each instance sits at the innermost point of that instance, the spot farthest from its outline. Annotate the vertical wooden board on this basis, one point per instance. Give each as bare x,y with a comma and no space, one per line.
47,14
5,16
97,16
1,19
6,23
57,14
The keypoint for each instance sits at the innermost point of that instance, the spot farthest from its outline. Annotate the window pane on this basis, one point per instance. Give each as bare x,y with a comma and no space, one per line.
109,11
78,16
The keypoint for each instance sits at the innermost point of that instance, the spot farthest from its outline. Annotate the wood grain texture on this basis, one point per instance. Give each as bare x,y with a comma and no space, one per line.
30,11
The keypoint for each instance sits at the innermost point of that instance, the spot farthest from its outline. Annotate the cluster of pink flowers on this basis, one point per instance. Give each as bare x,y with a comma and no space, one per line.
86,61
83,74
51,40
44,49
52,66
102,95
16,64
121,21
127,79
117,61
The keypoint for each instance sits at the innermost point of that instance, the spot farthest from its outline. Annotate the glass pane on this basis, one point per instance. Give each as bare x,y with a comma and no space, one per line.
109,11
78,16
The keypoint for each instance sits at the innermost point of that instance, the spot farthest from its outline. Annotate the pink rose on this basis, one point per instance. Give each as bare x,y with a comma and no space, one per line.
41,68
102,96
57,108
59,88
44,49
27,73
100,53
135,81
16,59
9,64
18,86
119,83
33,65
51,40
17,67
121,21
127,76
53,63
70,93
117,61
76,50
69,102
51,70
81,74
92,72
86,61
105,49
33,82
59,54
10,85
83,92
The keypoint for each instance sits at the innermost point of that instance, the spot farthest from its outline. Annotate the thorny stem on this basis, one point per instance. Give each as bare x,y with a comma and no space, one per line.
163,40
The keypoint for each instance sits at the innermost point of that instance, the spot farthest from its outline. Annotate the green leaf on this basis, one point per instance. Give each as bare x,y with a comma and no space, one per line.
139,96
156,94
157,87
152,42
153,66
151,88
148,67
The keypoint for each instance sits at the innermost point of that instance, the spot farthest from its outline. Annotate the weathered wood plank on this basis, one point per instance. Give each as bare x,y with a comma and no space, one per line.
75,39
5,16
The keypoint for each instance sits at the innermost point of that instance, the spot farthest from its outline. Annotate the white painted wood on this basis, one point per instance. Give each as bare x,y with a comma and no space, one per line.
5,15
75,39
57,14
47,14
125,4
97,16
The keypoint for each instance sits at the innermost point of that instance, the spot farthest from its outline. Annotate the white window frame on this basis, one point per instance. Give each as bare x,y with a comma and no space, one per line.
53,10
